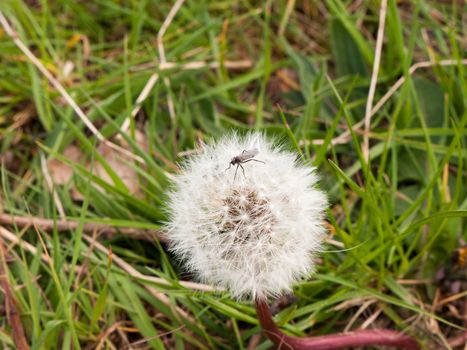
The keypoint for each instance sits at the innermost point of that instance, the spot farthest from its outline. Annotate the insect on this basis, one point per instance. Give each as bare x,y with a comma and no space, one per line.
244,157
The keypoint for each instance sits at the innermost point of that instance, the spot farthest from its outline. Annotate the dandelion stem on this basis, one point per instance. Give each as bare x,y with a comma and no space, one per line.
333,341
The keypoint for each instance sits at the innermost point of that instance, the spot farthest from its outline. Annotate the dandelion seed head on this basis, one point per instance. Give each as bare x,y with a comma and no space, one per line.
255,236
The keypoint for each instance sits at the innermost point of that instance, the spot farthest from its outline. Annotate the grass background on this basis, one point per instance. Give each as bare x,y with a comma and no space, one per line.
395,253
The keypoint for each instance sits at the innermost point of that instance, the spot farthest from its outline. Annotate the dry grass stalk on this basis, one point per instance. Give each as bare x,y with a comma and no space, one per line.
48,225
59,87
374,78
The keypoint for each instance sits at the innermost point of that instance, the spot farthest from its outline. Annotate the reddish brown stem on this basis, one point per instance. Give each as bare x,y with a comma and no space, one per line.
333,341
10,305
460,340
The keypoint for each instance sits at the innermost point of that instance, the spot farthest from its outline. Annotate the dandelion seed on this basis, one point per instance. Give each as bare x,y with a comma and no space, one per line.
256,236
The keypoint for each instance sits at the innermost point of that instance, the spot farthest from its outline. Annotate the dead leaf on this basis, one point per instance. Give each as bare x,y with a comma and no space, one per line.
121,165
61,173
140,139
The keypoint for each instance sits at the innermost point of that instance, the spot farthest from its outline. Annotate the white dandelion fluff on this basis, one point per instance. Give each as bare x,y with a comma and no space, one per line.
255,235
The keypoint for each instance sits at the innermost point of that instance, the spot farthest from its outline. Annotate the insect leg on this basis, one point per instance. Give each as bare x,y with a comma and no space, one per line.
228,167
243,170
236,169
255,160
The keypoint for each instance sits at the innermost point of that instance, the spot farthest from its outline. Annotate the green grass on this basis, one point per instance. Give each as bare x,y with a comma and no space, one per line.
401,216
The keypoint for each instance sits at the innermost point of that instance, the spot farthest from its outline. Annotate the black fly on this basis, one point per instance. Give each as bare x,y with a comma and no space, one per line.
244,157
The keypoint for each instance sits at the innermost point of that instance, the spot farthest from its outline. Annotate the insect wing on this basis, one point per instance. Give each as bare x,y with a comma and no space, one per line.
248,154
